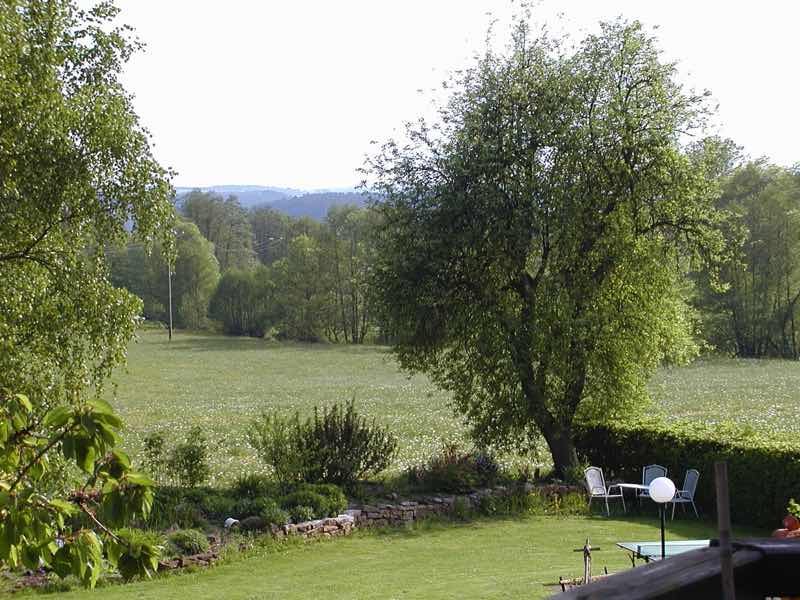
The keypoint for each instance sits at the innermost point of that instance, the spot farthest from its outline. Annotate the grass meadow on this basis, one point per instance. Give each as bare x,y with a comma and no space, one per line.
221,383
487,558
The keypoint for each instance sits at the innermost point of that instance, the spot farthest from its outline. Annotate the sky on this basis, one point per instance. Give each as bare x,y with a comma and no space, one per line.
291,93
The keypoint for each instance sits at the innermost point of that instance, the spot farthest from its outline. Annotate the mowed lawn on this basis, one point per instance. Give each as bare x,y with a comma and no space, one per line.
514,558
221,383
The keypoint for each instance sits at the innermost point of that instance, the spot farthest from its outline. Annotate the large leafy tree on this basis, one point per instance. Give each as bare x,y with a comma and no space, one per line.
529,243
225,224
754,312
195,273
76,174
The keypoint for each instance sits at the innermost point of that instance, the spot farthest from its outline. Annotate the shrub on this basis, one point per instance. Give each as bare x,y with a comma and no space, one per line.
251,507
274,515
308,499
461,510
253,486
144,550
188,462
454,471
763,472
188,541
336,501
154,460
336,445
253,523
301,514
280,443
217,505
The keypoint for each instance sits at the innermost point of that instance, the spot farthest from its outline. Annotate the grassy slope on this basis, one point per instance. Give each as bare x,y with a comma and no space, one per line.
485,559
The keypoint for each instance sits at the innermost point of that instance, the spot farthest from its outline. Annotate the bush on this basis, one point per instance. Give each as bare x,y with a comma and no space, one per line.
455,471
253,486
188,462
217,505
308,499
336,501
144,550
301,514
763,472
251,507
334,446
254,523
274,515
154,460
188,541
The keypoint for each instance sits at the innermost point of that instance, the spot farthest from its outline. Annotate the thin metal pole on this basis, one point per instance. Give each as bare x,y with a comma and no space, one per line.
663,545
169,286
724,524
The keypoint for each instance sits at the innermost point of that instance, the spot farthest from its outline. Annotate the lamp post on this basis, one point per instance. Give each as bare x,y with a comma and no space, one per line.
662,490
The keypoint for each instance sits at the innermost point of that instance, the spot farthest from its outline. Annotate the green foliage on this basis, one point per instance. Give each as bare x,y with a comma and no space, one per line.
254,523
751,307
529,245
154,460
253,486
77,175
30,522
195,274
453,470
301,513
763,471
188,541
306,499
301,290
461,509
136,552
243,302
793,508
225,224
251,507
274,514
337,446
188,461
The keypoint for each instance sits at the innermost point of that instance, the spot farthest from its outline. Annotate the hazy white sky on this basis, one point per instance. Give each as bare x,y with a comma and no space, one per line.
290,93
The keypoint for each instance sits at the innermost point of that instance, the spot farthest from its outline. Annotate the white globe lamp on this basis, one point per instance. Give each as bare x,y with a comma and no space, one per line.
662,490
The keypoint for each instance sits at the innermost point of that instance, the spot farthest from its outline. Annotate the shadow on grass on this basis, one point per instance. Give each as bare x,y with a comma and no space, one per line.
211,342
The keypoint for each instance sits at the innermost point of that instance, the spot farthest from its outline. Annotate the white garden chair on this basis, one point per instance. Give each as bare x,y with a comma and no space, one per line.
649,473
686,494
596,486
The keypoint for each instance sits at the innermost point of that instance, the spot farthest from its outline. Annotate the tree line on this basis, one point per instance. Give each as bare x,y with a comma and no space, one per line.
257,272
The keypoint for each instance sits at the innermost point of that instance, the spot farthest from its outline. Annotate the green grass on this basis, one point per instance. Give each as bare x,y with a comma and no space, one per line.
221,383
493,558
764,394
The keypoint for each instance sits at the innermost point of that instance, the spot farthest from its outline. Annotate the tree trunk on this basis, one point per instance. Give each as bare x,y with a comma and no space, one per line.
562,448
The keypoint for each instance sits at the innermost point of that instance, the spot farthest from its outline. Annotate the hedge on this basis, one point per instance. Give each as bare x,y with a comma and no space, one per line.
763,471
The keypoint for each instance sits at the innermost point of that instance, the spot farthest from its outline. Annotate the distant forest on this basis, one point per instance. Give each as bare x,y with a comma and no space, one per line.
264,262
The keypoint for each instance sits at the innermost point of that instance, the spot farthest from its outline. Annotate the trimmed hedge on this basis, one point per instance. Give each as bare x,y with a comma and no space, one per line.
763,472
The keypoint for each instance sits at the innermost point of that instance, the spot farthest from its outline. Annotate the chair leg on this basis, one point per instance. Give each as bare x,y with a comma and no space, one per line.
608,511
695,509
590,502
622,497
673,510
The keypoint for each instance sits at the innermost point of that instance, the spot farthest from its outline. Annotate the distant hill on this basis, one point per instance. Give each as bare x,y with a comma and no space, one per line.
316,204
295,202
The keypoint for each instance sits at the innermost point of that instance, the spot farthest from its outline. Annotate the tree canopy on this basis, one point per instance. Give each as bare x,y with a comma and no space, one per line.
76,174
529,243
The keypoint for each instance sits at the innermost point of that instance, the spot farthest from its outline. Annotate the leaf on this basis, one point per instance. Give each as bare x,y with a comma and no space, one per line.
57,417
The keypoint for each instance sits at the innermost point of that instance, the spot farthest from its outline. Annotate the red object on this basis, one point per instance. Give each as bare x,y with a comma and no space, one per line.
791,522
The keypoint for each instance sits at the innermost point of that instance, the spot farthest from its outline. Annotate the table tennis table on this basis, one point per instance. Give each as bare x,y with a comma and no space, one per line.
648,551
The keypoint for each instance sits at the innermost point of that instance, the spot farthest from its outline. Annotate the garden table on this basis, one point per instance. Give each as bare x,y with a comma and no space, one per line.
648,551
